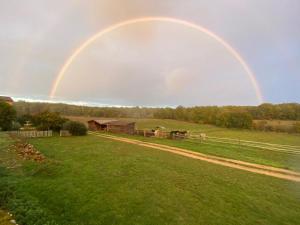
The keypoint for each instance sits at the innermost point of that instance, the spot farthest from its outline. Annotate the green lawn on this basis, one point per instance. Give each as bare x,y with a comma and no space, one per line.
244,153
90,180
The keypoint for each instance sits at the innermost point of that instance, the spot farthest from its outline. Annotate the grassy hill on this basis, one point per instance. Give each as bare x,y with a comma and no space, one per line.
89,180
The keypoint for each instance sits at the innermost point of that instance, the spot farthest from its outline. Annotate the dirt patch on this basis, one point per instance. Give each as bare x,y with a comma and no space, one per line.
25,150
28,152
6,218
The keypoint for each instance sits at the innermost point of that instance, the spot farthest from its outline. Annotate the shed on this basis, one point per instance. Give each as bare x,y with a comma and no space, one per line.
116,126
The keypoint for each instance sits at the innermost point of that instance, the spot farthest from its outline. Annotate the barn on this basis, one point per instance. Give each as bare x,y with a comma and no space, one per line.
116,126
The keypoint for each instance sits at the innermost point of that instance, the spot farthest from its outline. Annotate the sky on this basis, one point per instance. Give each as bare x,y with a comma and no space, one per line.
152,63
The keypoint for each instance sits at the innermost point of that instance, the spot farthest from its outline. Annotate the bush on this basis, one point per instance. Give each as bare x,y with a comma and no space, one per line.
75,128
48,121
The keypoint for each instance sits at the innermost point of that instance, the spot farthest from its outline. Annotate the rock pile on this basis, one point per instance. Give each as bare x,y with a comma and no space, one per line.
28,152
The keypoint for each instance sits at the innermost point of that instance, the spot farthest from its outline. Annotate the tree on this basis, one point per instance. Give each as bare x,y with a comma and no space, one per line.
234,120
7,116
75,128
24,118
48,121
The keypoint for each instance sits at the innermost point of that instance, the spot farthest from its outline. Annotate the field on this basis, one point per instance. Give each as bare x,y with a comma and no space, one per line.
248,154
270,137
90,180
276,125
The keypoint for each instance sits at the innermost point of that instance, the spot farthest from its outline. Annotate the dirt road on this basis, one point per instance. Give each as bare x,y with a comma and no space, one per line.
251,167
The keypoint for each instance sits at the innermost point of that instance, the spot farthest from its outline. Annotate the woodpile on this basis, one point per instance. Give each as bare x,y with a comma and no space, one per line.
28,152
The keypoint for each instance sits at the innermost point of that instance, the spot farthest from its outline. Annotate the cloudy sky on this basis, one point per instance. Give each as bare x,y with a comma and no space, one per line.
152,63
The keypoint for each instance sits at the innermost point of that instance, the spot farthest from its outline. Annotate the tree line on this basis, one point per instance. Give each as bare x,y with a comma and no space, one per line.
46,120
225,116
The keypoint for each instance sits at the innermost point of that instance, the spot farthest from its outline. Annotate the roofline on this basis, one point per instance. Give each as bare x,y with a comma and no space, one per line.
112,122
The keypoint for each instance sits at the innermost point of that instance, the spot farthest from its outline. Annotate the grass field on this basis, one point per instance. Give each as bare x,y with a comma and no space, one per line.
260,136
89,180
248,154
270,137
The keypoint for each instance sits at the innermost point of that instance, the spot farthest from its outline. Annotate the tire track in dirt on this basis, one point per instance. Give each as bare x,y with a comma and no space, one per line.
237,164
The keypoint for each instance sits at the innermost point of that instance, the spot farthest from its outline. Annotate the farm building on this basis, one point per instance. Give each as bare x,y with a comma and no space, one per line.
116,126
6,99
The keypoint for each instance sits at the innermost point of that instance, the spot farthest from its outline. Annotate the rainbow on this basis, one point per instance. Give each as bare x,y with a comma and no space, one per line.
113,27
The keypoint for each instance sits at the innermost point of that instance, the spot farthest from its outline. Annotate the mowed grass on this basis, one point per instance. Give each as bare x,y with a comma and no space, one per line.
244,153
98,181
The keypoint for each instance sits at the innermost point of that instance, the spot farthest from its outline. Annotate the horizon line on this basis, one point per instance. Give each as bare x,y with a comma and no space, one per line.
102,105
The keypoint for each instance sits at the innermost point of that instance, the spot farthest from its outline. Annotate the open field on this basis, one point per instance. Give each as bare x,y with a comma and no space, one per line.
245,153
90,180
237,164
260,136
270,137
276,125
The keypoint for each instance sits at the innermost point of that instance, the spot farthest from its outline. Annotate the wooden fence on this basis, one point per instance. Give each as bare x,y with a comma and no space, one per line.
145,133
238,142
32,134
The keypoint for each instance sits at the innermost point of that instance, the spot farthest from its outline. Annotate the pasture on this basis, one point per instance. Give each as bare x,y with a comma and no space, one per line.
210,130
251,135
90,180
245,153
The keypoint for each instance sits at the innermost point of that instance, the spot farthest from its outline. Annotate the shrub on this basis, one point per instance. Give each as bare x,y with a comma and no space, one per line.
48,121
75,128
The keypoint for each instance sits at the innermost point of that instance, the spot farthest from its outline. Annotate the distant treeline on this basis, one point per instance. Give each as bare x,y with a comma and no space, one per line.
225,116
